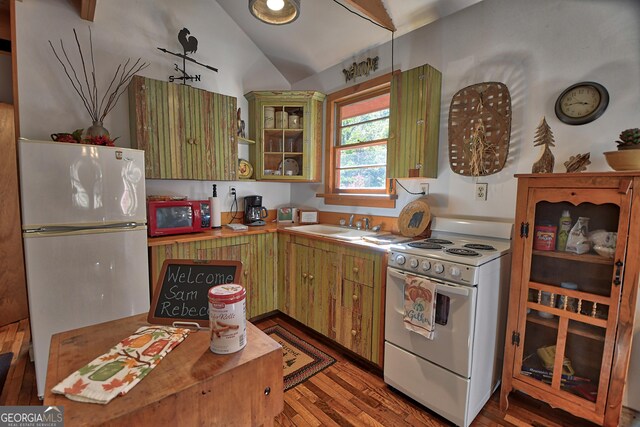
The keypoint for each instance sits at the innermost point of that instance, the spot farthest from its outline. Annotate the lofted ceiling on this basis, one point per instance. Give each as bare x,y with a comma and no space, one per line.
327,34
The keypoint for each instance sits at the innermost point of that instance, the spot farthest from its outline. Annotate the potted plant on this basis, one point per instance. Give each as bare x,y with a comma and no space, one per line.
629,139
627,157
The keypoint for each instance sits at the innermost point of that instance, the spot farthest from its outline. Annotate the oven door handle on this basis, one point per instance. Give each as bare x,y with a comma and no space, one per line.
446,289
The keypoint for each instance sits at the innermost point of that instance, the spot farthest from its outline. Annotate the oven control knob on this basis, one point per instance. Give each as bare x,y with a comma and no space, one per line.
426,265
400,260
439,268
454,271
413,263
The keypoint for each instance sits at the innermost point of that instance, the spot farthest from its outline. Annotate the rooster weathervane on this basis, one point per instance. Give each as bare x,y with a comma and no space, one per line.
189,45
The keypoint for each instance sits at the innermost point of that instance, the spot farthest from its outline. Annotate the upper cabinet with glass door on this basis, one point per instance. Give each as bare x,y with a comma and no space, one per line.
287,128
566,316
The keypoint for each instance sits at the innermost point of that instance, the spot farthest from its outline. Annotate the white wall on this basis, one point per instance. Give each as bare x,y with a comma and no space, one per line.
131,29
537,48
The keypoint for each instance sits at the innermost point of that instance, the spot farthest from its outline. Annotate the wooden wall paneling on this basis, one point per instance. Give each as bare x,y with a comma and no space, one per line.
14,67
5,25
13,291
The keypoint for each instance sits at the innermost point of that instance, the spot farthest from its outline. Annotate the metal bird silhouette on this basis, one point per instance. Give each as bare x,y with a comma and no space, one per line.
189,44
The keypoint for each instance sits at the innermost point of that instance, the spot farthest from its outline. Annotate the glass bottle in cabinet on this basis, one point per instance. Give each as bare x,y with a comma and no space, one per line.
287,130
565,302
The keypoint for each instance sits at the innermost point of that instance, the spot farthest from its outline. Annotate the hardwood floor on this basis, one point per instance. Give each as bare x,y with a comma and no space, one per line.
348,393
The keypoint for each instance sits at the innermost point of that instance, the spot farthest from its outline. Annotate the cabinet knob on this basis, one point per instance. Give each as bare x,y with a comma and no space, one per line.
311,277
355,297
354,332
304,275
355,270
246,272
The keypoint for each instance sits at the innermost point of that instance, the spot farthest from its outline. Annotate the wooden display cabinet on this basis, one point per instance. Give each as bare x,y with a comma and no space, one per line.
570,347
286,149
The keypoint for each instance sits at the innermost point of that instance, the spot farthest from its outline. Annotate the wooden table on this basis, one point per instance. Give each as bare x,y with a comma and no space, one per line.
191,386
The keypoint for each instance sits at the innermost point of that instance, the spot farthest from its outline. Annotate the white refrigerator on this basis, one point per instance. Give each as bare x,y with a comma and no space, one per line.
85,238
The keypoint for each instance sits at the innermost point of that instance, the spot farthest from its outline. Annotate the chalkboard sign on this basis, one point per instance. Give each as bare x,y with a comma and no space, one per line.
181,295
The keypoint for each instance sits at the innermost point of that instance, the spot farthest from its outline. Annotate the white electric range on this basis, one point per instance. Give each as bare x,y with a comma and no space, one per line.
455,373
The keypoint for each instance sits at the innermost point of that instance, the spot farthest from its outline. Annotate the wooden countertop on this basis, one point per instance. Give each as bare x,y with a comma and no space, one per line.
190,386
225,232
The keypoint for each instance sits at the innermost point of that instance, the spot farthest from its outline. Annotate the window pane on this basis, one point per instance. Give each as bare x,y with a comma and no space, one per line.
368,178
368,131
359,111
363,156
365,117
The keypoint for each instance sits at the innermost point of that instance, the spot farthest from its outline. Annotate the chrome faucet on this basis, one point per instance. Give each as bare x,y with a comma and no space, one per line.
351,220
366,223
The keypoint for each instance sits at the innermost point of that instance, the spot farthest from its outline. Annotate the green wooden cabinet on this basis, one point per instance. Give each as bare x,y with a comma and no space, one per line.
257,252
343,299
186,133
414,123
287,129
313,278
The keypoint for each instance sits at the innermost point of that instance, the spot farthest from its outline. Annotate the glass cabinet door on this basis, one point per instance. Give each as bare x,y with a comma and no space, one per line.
573,290
283,141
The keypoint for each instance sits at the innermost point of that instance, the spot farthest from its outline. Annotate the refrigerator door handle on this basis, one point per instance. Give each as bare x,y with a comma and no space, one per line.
68,228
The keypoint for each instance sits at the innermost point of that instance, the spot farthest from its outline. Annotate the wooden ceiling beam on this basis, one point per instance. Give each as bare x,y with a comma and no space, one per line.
375,10
87,9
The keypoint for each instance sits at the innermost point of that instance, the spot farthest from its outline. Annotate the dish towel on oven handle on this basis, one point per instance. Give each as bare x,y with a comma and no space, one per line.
119,370
420,305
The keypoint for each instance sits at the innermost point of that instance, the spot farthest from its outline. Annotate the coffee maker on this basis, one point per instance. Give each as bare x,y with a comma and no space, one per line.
254,212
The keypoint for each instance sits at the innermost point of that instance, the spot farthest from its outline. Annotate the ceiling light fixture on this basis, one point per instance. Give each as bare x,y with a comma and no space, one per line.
275,12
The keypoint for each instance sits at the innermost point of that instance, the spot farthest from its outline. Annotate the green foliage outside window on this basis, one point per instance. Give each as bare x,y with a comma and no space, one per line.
364,167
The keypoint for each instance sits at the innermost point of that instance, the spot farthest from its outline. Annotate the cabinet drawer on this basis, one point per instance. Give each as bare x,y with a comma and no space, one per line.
358,270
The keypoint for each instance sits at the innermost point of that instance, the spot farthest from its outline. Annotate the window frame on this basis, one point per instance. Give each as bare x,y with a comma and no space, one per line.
385,198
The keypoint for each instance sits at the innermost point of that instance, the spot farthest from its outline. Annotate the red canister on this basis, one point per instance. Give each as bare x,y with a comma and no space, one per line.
544,237
227,318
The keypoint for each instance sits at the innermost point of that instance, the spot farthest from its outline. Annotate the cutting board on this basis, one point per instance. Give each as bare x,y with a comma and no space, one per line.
414,218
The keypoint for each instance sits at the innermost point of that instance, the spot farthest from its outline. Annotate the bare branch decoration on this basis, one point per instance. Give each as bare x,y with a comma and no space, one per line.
88,90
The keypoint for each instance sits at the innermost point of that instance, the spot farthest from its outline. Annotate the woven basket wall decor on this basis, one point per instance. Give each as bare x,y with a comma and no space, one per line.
479,129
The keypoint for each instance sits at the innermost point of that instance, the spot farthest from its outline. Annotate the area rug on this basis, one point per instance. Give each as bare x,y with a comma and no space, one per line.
301,360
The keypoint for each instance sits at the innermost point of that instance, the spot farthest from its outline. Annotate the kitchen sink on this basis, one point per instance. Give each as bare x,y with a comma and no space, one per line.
332,231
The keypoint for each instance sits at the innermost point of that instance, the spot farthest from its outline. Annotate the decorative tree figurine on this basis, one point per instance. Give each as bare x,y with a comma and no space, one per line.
544,136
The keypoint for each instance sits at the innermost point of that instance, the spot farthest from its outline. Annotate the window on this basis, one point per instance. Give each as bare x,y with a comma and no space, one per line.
356,145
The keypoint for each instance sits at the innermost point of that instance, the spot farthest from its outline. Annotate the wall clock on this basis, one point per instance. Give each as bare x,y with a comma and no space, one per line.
582,103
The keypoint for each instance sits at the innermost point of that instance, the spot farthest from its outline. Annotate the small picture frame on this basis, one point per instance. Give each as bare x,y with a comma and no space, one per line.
285,215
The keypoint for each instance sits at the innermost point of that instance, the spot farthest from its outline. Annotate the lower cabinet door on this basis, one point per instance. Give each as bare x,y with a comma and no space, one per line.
355,318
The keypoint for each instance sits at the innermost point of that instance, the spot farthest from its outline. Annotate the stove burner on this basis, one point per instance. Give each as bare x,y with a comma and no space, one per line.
424,245
462,252
439,241
479,247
